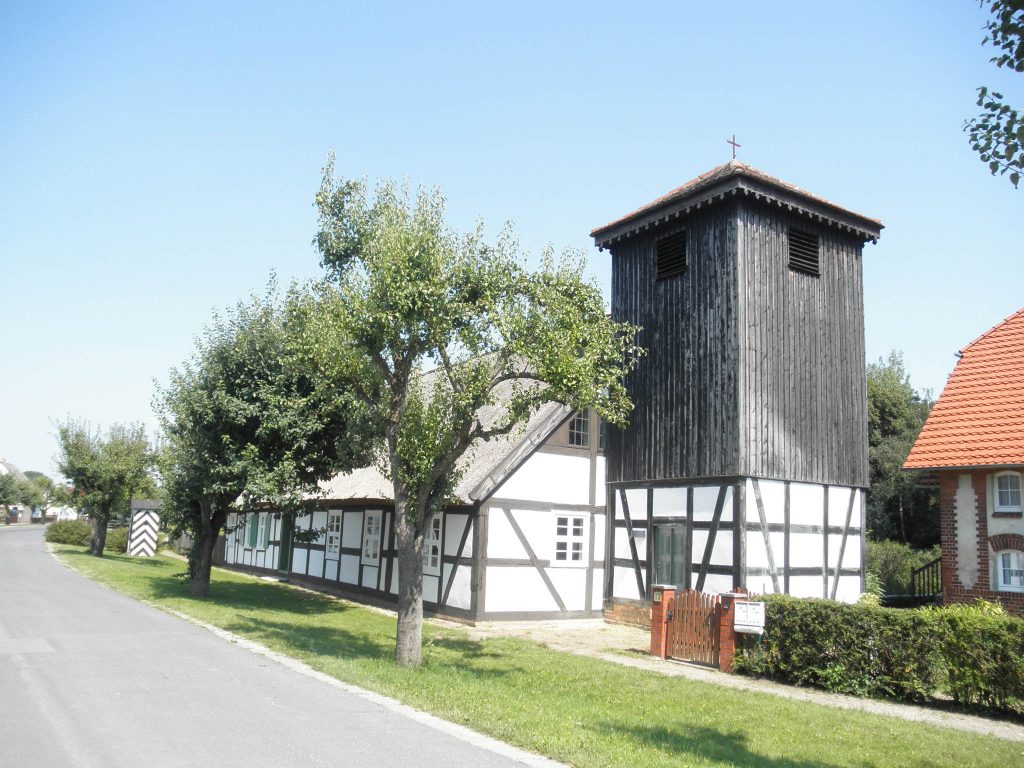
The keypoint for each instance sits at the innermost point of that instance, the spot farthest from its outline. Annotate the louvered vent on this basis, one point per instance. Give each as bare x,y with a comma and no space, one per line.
803,252
671,253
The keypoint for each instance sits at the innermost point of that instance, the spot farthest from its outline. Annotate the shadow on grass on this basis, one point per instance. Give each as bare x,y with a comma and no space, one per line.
706,744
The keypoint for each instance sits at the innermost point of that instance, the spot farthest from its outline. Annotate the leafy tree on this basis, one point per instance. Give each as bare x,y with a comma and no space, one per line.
242,424
104,470
997,134
406,293
10,493
899,507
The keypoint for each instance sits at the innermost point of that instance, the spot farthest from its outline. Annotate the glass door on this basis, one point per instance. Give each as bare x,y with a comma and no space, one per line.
670,554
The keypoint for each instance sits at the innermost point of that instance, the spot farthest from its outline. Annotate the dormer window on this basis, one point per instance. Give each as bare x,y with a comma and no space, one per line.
1007,493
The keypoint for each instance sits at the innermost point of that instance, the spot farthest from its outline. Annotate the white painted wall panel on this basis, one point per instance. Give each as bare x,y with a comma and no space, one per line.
721,553
762,585
806,504
773,498
839,504
637,499
549,477
757,555
517,589
851,558
597,526
501,538
370,577
670,502
704,500
352,529
331,574
805,586
539,529
430,587
600,496
571,585
622,543
319,522
454,525
316,562
349,569
299,557
805,550
272,557
597,598
302,521
461,593
625,583
717,583
849,589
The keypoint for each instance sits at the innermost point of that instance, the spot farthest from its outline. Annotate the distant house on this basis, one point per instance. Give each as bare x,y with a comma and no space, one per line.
522,538
974,437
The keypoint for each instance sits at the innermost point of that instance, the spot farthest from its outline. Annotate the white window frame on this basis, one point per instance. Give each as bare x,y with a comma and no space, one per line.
432,545
1016,563
570,538
996,505
370,552
332,549
583,434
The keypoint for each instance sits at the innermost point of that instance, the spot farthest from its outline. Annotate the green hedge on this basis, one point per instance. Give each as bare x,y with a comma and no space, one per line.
974,653
75,532
117,540
891,562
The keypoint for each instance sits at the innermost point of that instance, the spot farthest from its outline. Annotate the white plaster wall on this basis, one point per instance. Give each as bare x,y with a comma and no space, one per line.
272,558
352,529
670,502
806,504
622,543
965,505
805,586
839,505
302,521
805,550
349,569
454,525
704,500
320,521
757,555
849,589
597,598
461,592
370,577
716,583
625,583
721,552
597,526
502,541
331,574
551,478
430,587
637,500
600,495
571,585
316,562
773,499
516,589
299,561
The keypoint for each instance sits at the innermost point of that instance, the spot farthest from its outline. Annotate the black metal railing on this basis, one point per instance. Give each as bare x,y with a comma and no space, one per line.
926,581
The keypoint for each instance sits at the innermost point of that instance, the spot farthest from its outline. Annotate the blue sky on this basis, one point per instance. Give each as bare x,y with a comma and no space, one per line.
157,161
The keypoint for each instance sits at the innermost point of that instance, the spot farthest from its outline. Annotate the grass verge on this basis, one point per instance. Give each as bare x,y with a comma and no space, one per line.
583,711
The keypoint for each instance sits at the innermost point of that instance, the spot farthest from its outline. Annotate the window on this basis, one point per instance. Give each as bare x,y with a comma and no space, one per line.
1007,492
333,535
670,256
569,538
1010,571
803,252
263,533
432,546
579,430
371,537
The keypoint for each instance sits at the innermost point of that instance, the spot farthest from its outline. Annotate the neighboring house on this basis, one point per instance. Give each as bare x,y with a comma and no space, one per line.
974,437
745,463
523,537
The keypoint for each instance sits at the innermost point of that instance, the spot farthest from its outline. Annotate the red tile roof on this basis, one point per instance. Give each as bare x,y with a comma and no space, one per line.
979,419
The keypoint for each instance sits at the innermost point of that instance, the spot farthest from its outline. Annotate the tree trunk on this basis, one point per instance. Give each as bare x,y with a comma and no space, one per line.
408,643
201,562
99,536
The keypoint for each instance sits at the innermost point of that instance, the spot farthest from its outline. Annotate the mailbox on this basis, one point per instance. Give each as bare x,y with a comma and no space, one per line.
749,618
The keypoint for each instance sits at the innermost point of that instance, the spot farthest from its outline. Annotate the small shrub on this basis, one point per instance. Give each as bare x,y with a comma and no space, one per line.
117,540
982,652
891,562
75,532
872,590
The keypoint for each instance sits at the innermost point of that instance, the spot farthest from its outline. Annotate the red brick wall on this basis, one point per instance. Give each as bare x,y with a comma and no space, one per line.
953,591
633,613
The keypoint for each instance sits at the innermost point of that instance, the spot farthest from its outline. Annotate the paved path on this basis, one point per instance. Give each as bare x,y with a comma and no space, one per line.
92,679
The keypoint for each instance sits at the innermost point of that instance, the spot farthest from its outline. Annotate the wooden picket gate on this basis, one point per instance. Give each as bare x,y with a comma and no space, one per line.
693,631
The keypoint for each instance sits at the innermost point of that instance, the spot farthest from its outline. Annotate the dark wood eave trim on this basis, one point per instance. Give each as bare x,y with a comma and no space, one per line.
741,186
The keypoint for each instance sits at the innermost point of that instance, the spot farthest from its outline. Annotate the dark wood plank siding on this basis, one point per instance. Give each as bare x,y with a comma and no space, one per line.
802,378
686,420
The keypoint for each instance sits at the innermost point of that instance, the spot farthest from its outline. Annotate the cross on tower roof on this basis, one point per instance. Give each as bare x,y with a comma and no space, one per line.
735,146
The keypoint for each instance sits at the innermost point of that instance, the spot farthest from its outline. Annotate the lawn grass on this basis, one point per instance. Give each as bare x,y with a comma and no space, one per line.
583,711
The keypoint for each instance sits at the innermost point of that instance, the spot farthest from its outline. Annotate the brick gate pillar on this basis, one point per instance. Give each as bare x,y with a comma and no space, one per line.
661,606
726,633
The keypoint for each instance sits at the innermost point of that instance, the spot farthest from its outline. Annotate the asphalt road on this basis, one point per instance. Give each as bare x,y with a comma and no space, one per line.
92,679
